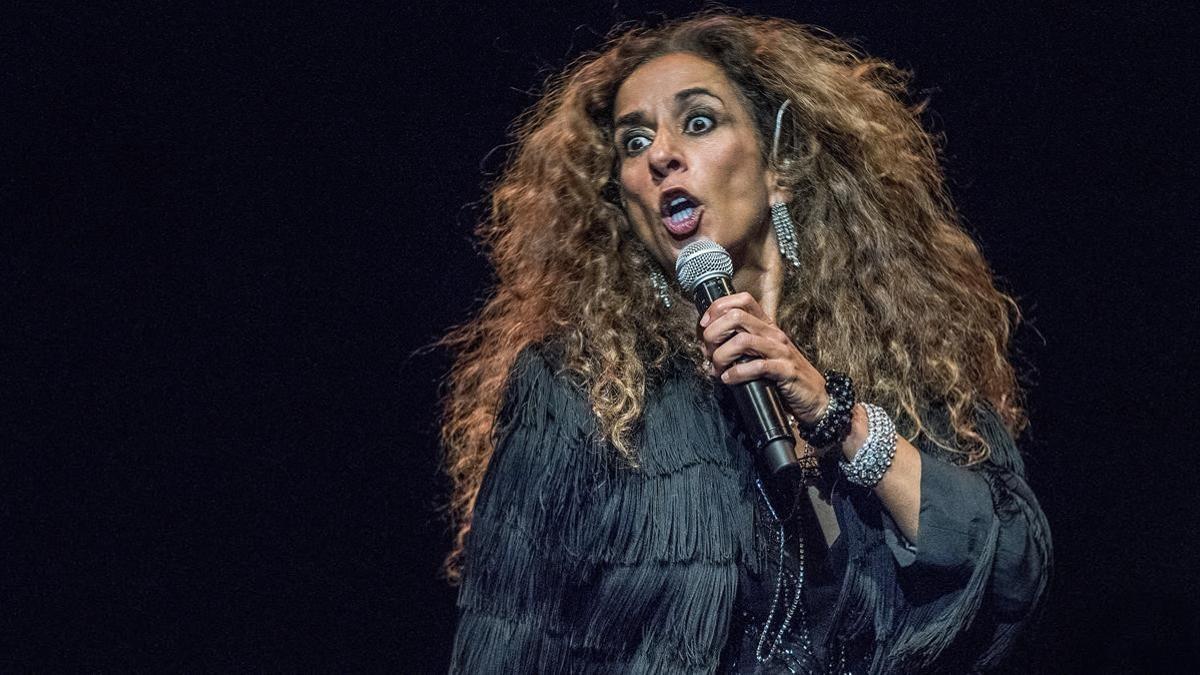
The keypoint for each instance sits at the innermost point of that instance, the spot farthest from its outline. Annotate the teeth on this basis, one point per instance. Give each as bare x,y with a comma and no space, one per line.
682,215
677,200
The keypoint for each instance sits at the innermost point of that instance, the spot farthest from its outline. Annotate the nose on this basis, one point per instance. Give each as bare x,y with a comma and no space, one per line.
665,156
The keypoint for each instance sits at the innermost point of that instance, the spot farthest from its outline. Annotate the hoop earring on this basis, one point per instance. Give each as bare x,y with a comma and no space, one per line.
785,234
660,285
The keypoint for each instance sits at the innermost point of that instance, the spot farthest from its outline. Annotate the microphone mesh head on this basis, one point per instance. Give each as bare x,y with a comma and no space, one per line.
702,259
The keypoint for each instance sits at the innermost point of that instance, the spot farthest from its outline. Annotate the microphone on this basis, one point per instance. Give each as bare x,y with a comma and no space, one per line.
705,270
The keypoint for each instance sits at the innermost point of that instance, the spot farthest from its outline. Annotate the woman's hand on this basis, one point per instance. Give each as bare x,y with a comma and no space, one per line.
735,326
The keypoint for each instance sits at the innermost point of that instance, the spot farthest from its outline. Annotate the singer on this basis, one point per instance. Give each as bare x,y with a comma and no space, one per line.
614,512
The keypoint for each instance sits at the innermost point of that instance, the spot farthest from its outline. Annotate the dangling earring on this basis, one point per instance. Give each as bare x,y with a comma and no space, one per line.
660,285
785,229
785,233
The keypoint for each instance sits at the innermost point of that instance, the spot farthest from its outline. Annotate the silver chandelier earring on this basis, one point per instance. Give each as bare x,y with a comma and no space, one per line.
781,218
660,285
785,234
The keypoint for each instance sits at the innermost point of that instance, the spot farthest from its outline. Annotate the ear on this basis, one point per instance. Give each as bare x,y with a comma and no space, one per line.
775,192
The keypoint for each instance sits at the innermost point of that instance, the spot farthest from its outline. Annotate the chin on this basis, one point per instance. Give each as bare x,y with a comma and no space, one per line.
730,246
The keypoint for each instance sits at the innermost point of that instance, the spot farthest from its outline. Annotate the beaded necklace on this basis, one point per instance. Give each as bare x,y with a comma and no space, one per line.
768,645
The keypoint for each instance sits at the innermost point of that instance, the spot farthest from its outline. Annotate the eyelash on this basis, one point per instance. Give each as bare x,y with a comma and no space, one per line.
691,115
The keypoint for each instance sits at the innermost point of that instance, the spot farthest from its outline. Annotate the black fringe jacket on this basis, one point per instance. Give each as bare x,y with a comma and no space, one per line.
577,563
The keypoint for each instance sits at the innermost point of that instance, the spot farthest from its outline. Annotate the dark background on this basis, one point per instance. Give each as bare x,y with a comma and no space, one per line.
226,233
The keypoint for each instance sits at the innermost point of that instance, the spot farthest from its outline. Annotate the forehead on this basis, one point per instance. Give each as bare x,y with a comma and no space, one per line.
656,82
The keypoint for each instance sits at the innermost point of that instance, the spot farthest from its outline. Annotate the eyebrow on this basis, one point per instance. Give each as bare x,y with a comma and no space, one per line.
637,117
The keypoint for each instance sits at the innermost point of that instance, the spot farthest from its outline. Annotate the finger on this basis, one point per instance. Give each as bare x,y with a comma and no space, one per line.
745,344
773,369
743,300
720,306
734,321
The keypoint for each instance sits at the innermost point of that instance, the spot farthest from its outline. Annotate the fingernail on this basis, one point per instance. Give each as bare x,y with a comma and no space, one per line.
725,376
704,320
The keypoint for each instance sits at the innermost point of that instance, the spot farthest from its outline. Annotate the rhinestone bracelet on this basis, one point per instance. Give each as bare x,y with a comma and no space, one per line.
834,425
875,456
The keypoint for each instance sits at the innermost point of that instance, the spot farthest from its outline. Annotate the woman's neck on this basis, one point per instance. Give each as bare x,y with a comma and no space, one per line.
762,277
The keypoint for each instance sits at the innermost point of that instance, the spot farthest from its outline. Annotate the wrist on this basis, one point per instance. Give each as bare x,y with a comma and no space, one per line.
858,433
814,414
866,464
829,430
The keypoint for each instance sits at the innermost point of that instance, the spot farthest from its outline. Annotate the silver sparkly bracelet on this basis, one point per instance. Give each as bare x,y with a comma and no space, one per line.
875,456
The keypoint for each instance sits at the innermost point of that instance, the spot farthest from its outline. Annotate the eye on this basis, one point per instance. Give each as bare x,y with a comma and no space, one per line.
698,124
635,143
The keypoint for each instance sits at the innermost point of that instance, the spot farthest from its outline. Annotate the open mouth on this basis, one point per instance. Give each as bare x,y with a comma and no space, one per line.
680,212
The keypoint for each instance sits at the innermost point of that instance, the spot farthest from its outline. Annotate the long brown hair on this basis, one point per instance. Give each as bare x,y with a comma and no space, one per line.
891,290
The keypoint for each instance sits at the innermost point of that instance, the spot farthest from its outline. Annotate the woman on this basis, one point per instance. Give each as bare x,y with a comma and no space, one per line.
610,515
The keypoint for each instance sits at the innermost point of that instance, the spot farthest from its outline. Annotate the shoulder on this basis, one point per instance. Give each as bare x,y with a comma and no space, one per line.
544,426
538,381
543,363
937,432
539,378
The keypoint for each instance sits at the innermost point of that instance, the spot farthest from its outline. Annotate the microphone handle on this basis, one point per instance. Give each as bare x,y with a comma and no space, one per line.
758,400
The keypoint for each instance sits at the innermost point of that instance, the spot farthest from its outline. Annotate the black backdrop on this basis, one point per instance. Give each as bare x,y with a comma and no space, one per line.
227,232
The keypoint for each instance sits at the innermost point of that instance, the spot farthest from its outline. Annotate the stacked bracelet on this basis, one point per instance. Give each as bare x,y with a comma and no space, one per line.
834,425
875,456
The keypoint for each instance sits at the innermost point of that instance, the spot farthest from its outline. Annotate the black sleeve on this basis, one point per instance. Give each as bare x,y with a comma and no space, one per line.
979,567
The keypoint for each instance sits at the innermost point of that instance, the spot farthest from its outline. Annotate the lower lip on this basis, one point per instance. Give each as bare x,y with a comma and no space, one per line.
687,226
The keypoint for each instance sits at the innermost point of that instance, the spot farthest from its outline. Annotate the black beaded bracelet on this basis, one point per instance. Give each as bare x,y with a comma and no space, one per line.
834,425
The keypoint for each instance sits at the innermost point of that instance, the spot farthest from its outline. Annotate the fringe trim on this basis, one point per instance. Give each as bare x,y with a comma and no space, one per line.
925,632
576,563
872,606
575,559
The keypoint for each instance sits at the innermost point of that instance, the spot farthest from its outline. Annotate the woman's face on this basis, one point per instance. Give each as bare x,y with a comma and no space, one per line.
690,160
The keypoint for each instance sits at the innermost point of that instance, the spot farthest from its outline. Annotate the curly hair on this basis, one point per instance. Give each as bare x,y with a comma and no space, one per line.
892,289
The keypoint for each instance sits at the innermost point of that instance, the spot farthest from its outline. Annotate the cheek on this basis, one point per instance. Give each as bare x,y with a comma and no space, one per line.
743,178
637,195
630,190
741,166
635,211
